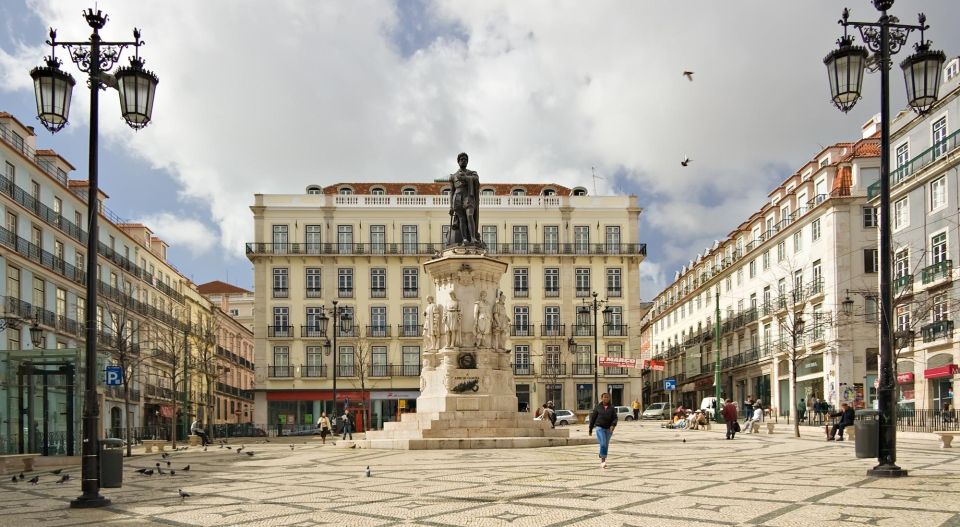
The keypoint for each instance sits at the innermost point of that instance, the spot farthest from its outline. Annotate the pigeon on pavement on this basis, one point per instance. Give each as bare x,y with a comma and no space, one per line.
35,480
13,479
183,494
148,472
164,455
173,472
65,477
249,453
57,472
186,468
21,476
368,471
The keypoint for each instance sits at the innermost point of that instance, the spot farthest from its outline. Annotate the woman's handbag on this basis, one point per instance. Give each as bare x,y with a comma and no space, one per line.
736,426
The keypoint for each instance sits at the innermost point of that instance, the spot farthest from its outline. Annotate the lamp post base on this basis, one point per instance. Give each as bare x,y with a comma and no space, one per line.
89,502
886,471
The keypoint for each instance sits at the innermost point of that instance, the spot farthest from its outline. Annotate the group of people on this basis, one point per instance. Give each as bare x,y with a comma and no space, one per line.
812,410
684,418
547,413
326,425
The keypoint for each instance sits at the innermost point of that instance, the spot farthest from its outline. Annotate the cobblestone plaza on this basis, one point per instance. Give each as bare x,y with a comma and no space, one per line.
656,477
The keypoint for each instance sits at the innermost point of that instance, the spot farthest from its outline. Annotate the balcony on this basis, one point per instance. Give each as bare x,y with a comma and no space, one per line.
281,292
614,330
345,293
378,332
394,370
409,330
521,293
614,371
583,369
410,292
346,370
552,330
939,330
910,168
582,293
313,332
350,331
522,330
551,292
313,292
378,292
553,370
903,285
313,371
936,272
815,288
280,332
583,330
614,292
280,371
523,369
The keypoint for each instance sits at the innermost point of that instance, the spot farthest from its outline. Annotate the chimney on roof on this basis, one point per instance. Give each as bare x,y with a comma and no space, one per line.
871,127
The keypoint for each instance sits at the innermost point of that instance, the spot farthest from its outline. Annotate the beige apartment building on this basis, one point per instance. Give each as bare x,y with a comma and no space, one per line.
362,246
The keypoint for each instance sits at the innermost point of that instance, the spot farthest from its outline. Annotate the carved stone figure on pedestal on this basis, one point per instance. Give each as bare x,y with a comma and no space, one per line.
452,320
501,323
482,321
464,209
432,325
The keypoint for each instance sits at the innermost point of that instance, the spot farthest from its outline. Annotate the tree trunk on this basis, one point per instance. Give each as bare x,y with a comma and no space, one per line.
209,428
126,416
793,395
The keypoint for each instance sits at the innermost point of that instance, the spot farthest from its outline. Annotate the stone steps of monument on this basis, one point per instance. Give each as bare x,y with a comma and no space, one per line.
471,443
465,433
427,423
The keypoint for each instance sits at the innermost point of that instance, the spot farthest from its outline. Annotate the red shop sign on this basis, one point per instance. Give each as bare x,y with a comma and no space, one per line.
942,371
904,378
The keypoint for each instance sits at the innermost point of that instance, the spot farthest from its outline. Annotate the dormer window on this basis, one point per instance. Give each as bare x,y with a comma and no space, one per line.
446,192
408,191
345,191
952,69
549,192
579,191
314,189
377,191
487,192
518,192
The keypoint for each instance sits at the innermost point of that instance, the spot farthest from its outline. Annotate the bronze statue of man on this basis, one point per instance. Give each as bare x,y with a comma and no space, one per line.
464,209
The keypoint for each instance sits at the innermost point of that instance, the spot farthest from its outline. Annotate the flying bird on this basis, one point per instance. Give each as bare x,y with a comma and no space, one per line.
686,161
65,477
35,480
183,494
688,75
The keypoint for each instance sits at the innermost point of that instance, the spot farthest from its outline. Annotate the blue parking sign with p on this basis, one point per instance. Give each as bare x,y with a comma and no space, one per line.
114,376
669,384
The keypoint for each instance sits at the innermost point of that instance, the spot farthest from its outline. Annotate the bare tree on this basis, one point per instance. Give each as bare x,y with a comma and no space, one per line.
171,340
206,364
361,367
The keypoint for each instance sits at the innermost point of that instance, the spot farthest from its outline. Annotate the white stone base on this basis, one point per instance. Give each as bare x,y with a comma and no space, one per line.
482,442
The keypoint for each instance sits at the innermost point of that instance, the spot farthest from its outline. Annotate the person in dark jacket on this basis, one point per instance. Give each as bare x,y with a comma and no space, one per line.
604,419
729,414
846,415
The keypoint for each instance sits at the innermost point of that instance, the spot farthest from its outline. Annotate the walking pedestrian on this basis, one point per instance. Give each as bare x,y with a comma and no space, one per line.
801,408
197,431
729,414
347,425
636,409
748,405
604,419
812,405
324,425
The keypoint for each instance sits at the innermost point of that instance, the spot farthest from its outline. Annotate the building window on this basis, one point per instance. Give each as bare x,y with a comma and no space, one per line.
378,361
869,217
378,282
521,360
551,320
815,229
281,319
938,193
378,321
313,282
901,214
901,263
345,282
345,362
939,135
410,282
551,239
411,321
314,325
521,321
521,282
487,192
797,241
903,318
280,282
871,305
903,155
939,310
520,239
488,234
378,239
551,281
518,192
613,282
582,281
408,191
612,239
409,238
581,239
344,191
377,191
410,355
753,268
766,263
281,359
584,396
312,239
280,238
938,248
344,239
871,260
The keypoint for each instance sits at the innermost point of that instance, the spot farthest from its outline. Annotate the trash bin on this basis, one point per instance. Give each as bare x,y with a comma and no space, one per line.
111,463
867,427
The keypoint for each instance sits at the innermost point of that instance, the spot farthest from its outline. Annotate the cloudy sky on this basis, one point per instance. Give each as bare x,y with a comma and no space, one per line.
272,96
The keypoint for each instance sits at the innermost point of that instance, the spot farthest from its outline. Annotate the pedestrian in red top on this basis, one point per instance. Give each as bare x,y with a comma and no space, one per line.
729,414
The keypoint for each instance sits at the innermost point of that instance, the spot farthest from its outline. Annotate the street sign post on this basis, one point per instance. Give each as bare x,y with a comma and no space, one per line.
114,376
669,384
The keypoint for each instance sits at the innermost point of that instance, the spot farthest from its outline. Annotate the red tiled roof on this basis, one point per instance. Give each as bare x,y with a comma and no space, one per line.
218,287
433,189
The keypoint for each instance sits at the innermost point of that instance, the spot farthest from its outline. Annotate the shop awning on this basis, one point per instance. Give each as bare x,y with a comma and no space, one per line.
943,371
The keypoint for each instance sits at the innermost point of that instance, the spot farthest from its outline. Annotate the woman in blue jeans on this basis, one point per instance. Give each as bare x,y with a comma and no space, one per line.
604,419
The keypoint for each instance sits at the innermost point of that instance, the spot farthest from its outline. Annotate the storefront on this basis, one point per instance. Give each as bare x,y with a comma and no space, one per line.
387,406
809,382
298,409
940,385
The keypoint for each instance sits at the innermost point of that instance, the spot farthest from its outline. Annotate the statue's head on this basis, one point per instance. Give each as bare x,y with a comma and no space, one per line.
429,299
463,159
483,295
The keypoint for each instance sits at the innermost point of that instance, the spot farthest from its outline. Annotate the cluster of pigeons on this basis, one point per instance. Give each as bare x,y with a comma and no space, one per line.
36,479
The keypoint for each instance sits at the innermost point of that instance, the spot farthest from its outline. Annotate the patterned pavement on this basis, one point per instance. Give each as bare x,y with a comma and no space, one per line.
656,477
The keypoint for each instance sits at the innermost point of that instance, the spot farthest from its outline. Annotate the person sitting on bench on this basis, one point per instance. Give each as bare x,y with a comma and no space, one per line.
846,415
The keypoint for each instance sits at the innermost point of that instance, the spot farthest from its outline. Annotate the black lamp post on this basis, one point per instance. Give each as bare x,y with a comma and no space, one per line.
845,68
338,318
36,335
585,308
53,89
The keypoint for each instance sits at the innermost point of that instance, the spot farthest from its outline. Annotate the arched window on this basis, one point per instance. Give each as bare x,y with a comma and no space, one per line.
549,192
314,189
377,191
408,191
345,191
487,192
445,191
519,192
579,191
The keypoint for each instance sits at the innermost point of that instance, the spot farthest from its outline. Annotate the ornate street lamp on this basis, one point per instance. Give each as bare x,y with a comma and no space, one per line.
53,89
36,335
921,70
846,307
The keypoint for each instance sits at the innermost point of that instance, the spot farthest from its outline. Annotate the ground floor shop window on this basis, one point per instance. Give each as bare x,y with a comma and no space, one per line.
616,394
523,397
555,394
585,397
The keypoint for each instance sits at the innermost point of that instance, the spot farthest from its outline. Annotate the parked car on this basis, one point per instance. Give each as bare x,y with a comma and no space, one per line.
709,405
566,417
656,411
624,413
302,432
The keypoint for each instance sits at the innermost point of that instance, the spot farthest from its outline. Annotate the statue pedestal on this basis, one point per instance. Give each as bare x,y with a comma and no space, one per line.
467,393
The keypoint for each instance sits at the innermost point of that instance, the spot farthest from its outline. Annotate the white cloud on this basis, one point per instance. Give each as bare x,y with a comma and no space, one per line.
188,233
256,99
